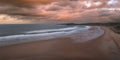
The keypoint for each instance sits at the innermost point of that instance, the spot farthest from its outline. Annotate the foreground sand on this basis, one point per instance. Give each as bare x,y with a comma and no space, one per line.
106,47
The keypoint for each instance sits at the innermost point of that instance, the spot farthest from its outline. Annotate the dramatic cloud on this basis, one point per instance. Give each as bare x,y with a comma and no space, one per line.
6,19
73,11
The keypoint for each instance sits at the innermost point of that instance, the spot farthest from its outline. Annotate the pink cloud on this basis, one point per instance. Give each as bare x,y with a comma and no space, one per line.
75,10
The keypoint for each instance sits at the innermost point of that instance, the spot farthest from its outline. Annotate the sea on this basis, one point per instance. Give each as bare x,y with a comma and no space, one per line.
11,34
20,33
16,29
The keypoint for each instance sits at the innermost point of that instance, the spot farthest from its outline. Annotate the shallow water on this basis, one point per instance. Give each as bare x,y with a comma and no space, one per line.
16,34
15,29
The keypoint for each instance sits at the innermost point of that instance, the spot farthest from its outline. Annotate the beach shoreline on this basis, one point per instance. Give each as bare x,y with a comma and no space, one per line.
64,48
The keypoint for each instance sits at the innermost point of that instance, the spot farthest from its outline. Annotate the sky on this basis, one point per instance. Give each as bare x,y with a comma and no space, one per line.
58,11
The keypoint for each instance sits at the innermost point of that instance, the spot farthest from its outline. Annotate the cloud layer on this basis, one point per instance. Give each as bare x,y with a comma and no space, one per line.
74,11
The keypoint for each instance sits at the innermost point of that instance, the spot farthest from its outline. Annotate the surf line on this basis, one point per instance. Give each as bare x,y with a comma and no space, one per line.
41,35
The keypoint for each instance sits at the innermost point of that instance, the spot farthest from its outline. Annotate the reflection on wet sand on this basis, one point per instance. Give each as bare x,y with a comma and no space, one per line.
105,47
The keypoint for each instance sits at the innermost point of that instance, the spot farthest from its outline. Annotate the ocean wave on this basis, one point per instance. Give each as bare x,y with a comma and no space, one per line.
56,30
39,35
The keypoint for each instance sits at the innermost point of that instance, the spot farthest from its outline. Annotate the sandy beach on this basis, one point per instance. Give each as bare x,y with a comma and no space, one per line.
28,43
105,47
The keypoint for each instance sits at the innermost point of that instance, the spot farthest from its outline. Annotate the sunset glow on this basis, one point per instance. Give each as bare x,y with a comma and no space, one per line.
67,10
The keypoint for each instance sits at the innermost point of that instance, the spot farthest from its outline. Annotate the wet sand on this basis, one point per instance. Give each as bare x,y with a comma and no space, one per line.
106,47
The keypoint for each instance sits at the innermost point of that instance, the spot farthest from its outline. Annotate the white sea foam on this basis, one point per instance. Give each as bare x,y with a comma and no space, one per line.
57,30
87,35
39,35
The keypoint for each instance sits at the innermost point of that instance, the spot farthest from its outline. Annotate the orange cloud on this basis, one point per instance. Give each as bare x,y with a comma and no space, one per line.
65,15
6,19
36,1
25,2
71,10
